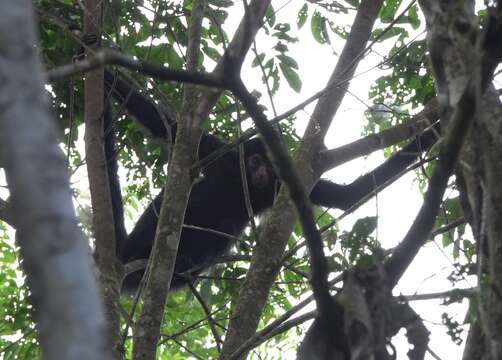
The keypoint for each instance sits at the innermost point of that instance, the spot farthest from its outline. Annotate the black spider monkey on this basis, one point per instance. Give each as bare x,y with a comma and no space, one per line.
217,200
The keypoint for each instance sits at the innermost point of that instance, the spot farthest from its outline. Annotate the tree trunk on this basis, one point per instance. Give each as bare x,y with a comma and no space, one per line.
102,210
55,254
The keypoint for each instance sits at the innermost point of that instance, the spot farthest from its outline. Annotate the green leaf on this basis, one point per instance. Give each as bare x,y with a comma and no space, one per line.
413,18
395,31
258,59
288,61
212,53
302,16
388,11
270,16
364,227
319,29
291,77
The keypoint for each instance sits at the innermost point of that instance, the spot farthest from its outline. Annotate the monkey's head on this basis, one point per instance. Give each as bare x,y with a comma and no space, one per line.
260,172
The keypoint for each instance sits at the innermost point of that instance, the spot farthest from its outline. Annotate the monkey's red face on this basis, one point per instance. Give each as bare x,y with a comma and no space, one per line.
260,172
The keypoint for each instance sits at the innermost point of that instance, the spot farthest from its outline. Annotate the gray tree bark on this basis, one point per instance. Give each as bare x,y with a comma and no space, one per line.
453,39
55,254
102,208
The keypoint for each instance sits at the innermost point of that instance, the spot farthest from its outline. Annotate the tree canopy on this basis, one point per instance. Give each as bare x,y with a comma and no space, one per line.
309,282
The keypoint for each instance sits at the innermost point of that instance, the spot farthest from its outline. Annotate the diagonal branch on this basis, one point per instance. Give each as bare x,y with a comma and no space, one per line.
113,57
177,191
331,158
286,171
268,254
350,56
419,231
460,123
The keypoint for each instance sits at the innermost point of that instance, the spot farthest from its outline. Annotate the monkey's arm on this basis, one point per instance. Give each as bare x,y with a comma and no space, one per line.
328,194
150,116
137,105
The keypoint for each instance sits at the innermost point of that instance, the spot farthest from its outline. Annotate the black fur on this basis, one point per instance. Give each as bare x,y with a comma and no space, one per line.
113,179
217,201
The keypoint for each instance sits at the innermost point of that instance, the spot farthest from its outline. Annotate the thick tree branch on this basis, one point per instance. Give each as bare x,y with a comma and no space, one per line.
268,254
448,295
237,49
350,56
461,120
329,159
282,323
113,57
54,251
284,167
403,316
177,190
102,208
418,234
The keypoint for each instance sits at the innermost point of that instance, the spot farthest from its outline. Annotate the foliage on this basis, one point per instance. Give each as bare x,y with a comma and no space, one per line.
156,31
17,335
